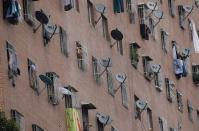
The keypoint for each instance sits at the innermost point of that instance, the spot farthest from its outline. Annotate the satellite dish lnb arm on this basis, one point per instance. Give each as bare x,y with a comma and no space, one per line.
189,13
105,67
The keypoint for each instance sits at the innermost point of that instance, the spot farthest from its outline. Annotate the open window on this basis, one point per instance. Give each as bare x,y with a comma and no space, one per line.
179,100
33,80
190,110
52,89
171,4
169,89
86,107
134,56
19,119
28,9
13,67
91,16
82,55
118,6
96,69
148,72
164,40
36,128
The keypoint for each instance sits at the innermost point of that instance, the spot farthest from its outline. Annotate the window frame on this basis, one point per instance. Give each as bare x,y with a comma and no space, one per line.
91,13
148,73
82,55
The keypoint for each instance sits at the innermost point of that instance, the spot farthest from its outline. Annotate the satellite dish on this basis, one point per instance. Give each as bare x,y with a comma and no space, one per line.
64,91
186,52
156,68
152,5
46,79
120,77
41,17
141,104
100,8
158,14
117,35
104,119
188,8
50,28
106,62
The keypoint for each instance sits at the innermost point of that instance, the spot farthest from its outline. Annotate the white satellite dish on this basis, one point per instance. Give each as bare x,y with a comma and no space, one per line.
64,91
186,52
141,104
120,77
158,14
152,5
156,68
106,62
104,119
100,8
188,8
51,28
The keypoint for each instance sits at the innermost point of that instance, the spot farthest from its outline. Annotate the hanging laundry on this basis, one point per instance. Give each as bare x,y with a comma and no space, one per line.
195,37
118,6
12,11
178,63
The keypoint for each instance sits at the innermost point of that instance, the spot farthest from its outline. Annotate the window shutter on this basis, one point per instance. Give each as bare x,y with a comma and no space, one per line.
110,83
179,101
124,96
169,90
81,56
118,6
120,47
28,7
90,13
195,74
134,56
158,81
181,12
33,80
148,73
64,42
164,40
190,110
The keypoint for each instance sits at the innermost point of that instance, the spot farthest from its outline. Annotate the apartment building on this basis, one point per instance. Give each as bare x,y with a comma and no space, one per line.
100,65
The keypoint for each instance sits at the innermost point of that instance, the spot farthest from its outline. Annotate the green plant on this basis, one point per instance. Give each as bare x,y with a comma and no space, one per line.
7,124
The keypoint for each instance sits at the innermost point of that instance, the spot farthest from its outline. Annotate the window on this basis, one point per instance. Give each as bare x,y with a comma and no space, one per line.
195,74
91,13
152,27
52,91
96,69
190,27
33,80
120,47
110,83
158,80
148,73
64,45
13,69
150,119
28,8
81,52
105,28
136,109
70,100
100,126
161,124
172,129
169,89
118,6
77,5
85,119
124,96
131,10
36,128
134,54
197,115
179,101
144,28
182,13
190,110
171,4
164,40
19,119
